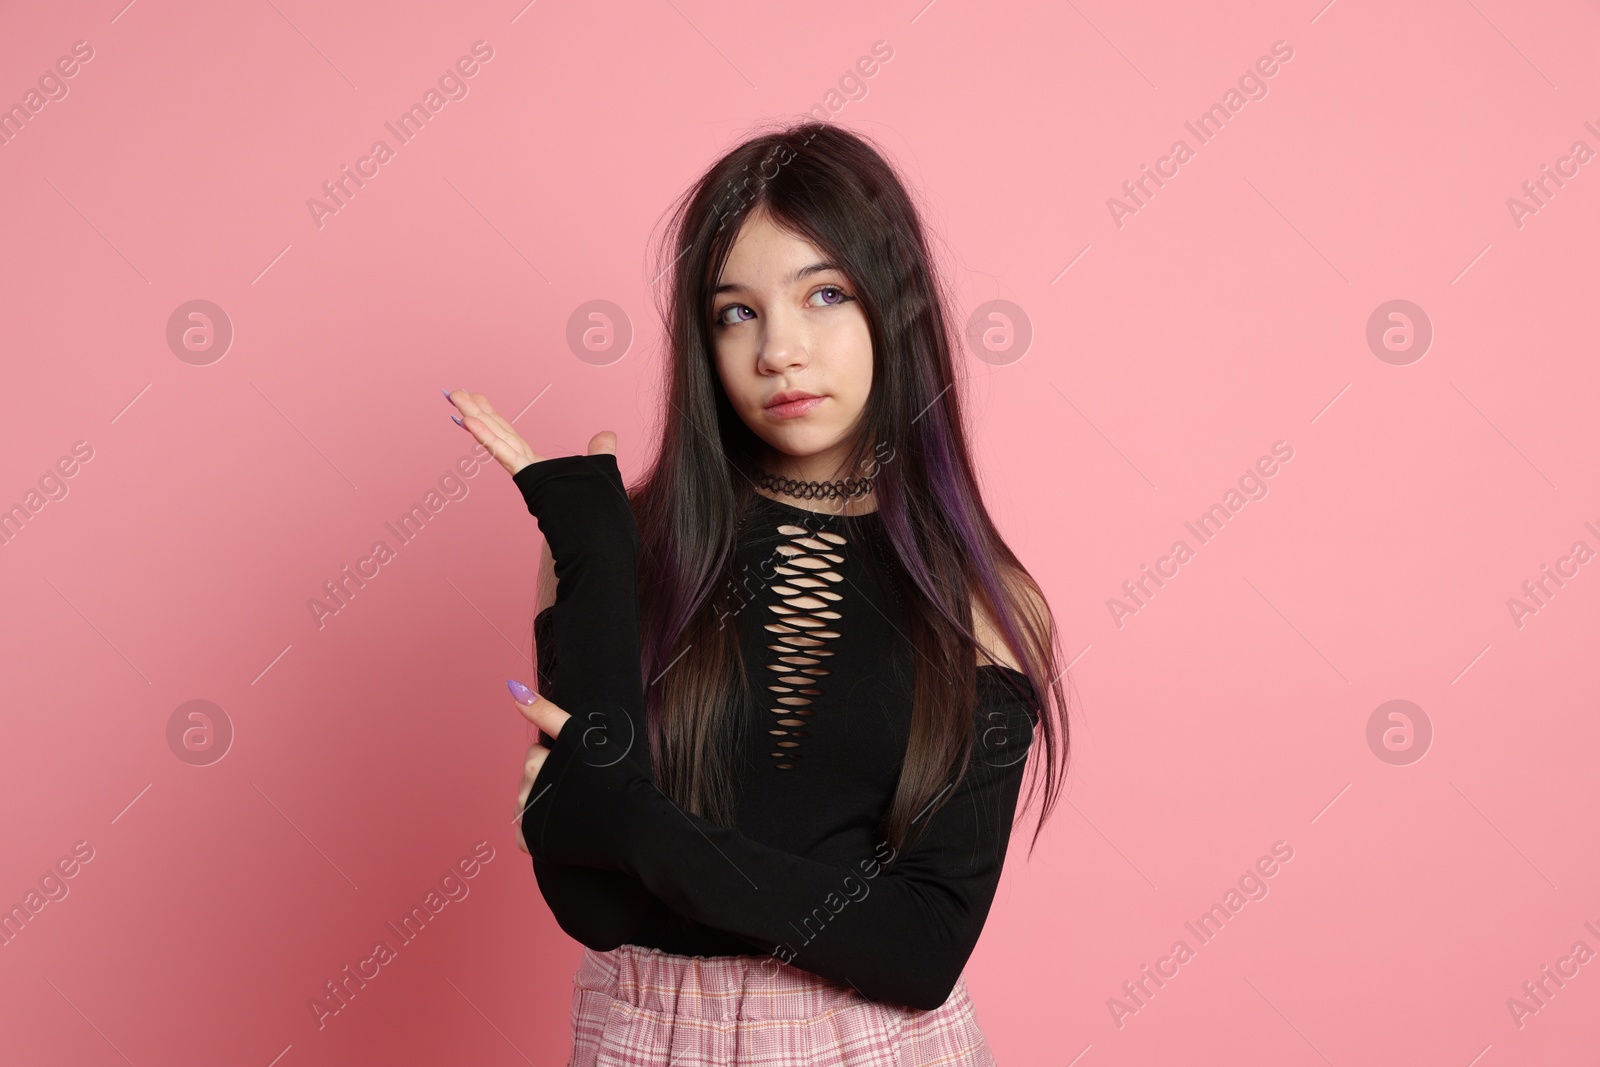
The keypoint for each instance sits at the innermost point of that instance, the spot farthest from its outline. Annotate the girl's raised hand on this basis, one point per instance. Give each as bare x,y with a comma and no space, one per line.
494,432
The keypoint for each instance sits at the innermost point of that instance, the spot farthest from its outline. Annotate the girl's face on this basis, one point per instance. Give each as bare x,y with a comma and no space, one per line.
785,322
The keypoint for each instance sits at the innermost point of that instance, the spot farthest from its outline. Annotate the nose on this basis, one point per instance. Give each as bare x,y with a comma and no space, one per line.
784,344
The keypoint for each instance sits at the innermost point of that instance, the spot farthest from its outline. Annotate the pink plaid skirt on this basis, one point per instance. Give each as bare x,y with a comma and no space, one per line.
641,1007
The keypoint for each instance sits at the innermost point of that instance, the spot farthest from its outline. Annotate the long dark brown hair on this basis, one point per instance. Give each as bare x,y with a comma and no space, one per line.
834,189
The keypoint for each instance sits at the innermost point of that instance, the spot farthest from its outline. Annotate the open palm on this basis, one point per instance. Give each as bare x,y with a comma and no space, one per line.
495,432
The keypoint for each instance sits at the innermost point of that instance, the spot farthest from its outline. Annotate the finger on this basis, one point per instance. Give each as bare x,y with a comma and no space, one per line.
493,431
511,452
522,846
485,411
525,786
541,711
503,428
475,405
530,776
604,442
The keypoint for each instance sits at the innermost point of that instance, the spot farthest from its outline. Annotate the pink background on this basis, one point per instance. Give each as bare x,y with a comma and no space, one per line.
1230,312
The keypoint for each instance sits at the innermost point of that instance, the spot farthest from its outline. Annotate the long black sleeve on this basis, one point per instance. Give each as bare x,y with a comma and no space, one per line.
600,909
902,933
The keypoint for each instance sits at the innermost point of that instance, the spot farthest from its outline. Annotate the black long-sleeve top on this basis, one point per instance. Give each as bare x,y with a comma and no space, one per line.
802,875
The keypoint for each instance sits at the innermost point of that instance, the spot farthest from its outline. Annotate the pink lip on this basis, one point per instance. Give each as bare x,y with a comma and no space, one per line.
793,409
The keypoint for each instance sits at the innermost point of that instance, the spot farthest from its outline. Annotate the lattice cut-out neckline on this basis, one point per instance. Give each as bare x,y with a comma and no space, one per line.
806,621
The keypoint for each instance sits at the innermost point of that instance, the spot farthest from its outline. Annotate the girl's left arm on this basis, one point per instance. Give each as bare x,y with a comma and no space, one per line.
901,934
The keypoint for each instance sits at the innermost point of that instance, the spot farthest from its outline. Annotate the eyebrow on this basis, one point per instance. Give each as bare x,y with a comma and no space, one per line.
799,275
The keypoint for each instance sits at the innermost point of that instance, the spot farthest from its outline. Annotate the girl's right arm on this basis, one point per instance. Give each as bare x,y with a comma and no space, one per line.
600,909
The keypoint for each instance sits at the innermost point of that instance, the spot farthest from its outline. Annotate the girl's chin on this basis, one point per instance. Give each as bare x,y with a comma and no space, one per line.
800,446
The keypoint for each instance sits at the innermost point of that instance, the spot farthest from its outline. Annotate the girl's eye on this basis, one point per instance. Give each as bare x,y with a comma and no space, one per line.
840,295
721,317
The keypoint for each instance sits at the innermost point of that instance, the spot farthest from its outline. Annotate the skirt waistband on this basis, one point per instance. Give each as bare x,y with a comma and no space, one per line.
717,988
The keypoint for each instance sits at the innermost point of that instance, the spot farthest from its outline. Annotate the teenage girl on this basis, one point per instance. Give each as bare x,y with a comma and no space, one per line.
788,684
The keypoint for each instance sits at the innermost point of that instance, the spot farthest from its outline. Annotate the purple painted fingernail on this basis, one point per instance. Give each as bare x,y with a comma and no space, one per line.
521,693
446,393
456,419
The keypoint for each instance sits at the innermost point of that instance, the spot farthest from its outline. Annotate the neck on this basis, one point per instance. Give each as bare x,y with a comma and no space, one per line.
823,467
